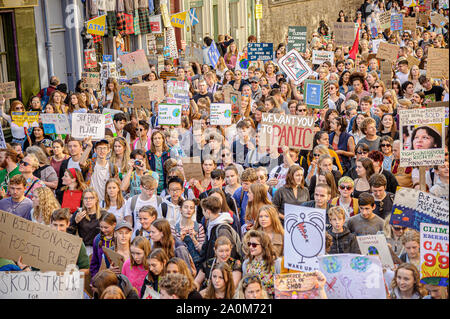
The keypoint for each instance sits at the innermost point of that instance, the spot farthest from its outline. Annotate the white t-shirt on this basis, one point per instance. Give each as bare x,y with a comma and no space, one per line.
99,178
72,164
140,203
402,77
119,213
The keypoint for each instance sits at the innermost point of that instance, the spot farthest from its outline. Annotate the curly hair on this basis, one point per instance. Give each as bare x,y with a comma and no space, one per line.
47,204
176,284
268,253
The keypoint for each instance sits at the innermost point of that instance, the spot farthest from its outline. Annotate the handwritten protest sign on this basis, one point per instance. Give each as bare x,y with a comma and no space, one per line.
385,20
109,123
386,73
135,64
439,20
194,53
388,51
232,97
242,64
412,207
8,90
55,123
376,245
396,22
192,168
314,94
296,38
41,285
39,245
156,90
437,63
320,56
304,237
88,125
423,19
220,114
114,257
296,286
434,249
141,94
412,60
178,91
126,95
169,114
90,80
290,130
295,67
351,276
25,119
260,51
344,33
423,135
409,24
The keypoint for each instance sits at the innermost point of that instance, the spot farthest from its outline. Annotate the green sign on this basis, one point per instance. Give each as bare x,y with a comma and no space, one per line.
296,39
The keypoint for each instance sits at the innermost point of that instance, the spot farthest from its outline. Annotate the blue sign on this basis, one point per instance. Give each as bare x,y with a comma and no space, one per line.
107,58
213,54
396,22
260,51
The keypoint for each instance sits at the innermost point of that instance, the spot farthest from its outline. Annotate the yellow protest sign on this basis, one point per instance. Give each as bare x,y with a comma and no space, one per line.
25,119
97,25
178,20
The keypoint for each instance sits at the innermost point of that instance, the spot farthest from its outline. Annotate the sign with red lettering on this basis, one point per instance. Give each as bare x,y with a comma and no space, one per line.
434,254
290,130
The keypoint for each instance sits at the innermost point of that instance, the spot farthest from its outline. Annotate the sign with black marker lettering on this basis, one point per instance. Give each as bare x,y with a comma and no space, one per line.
40,246
88,125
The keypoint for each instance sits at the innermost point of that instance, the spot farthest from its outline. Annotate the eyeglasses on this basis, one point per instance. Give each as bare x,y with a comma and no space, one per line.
175,190
376,86
24,163
385,145
302,110
316,155
363,152
253,245
345,187
139,129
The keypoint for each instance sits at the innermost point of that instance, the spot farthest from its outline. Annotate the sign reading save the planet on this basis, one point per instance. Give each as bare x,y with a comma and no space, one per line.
169,114
220,114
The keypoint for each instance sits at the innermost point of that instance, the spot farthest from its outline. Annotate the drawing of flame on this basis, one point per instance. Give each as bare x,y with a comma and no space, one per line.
434,271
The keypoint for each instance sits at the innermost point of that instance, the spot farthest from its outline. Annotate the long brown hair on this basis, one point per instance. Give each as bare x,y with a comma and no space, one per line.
141,243
115,101
182,269
273,215
126,154
225,269
120,201
167,242
418,287
110,219
268,252
81,103
290,182
329,177
81,185
259,199
165,148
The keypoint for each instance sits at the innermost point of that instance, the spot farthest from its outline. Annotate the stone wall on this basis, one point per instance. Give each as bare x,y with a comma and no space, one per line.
278,15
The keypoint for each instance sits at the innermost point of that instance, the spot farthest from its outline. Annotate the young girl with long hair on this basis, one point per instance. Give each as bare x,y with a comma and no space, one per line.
58,156
120,155
44,204
136,268
111,99
114,201
104,239
70,194
221,285
231,56
56,100
177,265
156,261
406,283
76,104
157,155
268,221
257,197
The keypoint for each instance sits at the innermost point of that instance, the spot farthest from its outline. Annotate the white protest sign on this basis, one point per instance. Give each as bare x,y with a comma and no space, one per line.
41,285
109,123
178,93
320,56
88,125
422,133
351,276
220,114
295,67
376,245
169,114
304,237
55,123
376,44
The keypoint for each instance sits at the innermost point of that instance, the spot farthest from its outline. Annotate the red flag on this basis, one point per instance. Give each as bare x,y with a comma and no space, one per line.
354,49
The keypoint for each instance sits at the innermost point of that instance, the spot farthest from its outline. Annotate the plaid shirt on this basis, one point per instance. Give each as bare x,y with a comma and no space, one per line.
111,22
137,29
129,24
120,19
144,22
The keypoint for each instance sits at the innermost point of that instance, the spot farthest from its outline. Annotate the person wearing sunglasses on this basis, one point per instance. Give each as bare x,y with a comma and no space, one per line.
27,166
142,141
345,199
260,259
386,149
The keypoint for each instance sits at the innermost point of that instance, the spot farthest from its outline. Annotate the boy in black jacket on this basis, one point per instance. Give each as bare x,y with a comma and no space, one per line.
344,242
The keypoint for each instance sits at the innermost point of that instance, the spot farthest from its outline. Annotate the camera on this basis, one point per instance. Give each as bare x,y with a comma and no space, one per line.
138,163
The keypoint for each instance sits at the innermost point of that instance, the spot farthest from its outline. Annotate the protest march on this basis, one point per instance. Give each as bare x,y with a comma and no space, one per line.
312,168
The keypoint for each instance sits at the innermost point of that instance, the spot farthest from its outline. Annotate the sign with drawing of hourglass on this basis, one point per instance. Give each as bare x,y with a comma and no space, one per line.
304,237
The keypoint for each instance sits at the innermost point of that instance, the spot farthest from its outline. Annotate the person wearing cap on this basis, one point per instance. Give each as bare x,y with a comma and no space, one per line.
100,168
256,90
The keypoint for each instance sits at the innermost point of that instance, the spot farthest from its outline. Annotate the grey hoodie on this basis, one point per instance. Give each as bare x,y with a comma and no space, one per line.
222,219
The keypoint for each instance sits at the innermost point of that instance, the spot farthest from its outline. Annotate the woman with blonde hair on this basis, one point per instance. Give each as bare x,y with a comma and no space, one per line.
231,56
406,283
112,292
378,90
44,204
411,243
221,285
27,166
257,197
269,222
17,132
221,68
270,70
46,173
56,100
177,265
120,155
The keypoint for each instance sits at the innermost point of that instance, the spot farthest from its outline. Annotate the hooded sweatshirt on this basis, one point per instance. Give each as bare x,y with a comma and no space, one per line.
222,219
344,243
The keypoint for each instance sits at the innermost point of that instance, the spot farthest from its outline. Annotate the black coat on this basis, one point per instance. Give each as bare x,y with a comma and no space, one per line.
344,243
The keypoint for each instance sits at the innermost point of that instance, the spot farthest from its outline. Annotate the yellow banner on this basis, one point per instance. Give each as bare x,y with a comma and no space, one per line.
259,11
178,20
97,25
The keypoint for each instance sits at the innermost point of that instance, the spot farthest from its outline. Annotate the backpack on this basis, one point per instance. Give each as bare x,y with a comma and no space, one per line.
158,201
236,240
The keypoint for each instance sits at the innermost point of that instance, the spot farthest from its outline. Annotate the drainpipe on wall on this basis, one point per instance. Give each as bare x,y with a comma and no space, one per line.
48,42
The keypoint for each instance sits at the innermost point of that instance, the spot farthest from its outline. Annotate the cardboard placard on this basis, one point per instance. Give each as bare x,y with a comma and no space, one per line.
156,90
397,22
88,125
439,20
135,64
423,132
384,19
409,24
8,90
234,98
25,119
412,207
290,130
314,94
304,237
220,114
169,114
297,38
320,56
437,63
90,80
344,33
141,94
351,276
434,254
296,286
39,245
114,257
295,67
55,123
423,19
192,168
260,51
386,73
194,53
388,51
376,245
41,285
412,61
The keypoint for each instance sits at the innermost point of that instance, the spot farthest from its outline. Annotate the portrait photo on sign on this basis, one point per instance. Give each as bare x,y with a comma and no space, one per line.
422,137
